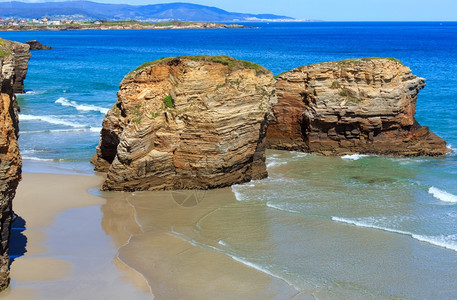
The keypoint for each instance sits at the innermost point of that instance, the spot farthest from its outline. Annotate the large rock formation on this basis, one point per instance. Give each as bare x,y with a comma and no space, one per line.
10,160
187,123
352,106
21,62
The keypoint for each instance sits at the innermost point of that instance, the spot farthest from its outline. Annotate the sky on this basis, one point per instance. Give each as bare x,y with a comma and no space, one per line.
328,10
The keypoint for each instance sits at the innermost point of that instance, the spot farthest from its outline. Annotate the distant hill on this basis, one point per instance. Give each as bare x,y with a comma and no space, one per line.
87,10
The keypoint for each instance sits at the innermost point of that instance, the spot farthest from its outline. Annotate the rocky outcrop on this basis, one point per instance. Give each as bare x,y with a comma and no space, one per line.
21,62
35,45
187,123
352,106
10,160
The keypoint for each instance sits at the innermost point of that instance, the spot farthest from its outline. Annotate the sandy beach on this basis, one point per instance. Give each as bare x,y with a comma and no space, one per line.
69,243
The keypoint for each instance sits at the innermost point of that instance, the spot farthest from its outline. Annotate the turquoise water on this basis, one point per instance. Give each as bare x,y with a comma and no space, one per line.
350,223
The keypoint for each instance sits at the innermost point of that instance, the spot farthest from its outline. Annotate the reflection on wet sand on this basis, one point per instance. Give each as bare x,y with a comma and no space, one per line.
176,240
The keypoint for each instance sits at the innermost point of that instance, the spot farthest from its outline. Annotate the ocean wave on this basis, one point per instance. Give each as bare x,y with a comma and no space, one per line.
353,156
441,241
275,163
238,195
90,129
447,242
278,207
81,107
442,195
38,159
31,92
51,120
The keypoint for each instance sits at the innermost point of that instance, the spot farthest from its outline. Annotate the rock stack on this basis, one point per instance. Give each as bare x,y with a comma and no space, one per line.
364,106
194,122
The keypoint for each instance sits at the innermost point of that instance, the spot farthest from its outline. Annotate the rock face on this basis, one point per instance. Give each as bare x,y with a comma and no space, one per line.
353,106
21,62
35,45
10,160
187,123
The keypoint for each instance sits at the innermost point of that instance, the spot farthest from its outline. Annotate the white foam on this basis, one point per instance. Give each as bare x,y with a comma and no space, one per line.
90,129
299,154
275,206
442,195
33,92
367,225
441,241
51,120
238,195
222,243
353,156
38,159
275,163
81,107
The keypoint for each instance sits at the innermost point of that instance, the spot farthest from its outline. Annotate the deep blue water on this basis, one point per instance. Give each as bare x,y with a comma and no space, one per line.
413,197
87,67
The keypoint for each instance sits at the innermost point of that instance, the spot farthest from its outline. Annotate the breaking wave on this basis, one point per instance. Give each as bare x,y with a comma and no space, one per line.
51,120
442,195
443,241
81,107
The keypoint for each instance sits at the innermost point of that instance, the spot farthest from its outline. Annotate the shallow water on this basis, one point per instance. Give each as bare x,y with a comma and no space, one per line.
370,230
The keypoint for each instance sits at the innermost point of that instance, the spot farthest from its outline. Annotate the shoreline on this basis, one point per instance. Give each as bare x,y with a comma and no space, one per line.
96,241
135,26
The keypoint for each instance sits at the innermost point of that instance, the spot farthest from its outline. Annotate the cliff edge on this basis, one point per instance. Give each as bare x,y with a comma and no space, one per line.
194,122
364,106
10,159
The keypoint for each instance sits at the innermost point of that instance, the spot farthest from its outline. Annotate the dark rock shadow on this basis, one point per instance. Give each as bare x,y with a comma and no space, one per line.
18,241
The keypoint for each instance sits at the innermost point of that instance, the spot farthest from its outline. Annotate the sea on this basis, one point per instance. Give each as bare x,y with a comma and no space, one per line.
350,227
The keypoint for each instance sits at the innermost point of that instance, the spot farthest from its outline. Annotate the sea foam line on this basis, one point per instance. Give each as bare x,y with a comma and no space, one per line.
442,195
353,156
81,107
39,159
277,207
440,241
50,120
90,129
231,255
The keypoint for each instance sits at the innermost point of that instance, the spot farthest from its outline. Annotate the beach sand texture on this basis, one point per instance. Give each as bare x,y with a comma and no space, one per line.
81,245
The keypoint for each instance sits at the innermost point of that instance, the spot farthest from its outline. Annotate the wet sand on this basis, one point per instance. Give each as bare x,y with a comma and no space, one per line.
75,245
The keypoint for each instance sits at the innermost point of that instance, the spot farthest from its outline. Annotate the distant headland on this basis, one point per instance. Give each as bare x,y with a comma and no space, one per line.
91,11
41,25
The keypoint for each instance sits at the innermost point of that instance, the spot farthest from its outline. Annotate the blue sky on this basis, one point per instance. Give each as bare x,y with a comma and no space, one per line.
329,10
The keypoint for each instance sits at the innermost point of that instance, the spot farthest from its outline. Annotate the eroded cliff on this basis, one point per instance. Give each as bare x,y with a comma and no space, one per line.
187,123
352,106
10,160
21,62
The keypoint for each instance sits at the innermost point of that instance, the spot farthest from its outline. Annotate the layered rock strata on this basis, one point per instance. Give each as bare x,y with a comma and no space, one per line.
194,122
21,62
352,106
10,160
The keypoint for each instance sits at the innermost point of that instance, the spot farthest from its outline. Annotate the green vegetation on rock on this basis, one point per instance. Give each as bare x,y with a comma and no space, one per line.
172,23
168,101
225,60
4,50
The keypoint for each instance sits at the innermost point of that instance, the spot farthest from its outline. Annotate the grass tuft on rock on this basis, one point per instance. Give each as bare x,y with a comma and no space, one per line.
225,60
168,101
